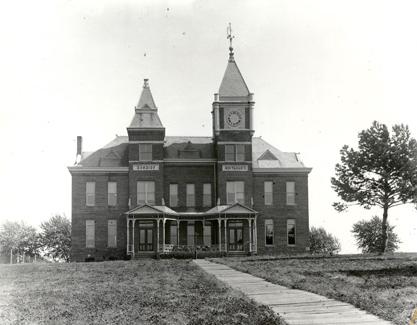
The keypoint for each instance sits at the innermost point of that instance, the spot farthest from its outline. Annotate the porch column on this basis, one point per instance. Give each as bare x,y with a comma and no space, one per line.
225,234
250,235
178,232
157,234
127,232
255,235
220,234
163,234
133,237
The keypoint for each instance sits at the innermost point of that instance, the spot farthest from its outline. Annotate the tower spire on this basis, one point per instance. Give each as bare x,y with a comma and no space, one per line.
230,37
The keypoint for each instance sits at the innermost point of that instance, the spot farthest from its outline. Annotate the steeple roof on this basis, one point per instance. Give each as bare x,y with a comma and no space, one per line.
233,84
146,100
146,113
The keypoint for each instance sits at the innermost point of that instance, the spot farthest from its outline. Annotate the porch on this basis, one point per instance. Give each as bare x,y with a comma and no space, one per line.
159,229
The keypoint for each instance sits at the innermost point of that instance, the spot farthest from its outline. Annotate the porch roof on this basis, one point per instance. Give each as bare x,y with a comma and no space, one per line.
155,210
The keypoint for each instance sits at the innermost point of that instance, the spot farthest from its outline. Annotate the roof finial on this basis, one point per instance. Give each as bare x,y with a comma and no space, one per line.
145,83
230,37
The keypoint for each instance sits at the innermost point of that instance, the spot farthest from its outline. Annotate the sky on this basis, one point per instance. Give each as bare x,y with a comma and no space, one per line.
321,72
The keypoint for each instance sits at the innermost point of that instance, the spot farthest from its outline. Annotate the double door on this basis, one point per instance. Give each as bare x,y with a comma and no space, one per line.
235,236
146,237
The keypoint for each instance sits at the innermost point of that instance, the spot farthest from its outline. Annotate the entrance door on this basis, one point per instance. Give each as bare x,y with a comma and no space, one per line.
146,237
235,236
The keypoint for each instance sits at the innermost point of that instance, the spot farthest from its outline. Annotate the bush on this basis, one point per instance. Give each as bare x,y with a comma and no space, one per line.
191,255
322,242
368,235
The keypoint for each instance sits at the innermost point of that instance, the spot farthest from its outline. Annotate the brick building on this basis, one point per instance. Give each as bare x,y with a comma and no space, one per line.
147,192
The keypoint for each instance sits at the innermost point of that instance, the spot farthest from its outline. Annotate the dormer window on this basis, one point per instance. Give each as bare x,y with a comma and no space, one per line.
145,152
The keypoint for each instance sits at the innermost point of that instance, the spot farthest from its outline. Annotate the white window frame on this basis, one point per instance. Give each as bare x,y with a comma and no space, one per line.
112,194
290,223
145,152
290,192
190,195
232,194
207,195
268,193
90,234
112,233
90,194
148,194
173,197
269,222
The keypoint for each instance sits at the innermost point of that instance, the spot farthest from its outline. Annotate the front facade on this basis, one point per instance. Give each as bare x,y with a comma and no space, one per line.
149,193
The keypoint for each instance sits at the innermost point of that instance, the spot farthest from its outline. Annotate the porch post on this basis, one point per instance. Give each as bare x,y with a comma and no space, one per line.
128,237
178,232
225,234
163,234
250,235
220,235
157,234
133,237
255,235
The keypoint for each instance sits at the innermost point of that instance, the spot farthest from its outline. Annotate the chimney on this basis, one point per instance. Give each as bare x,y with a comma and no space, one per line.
79,145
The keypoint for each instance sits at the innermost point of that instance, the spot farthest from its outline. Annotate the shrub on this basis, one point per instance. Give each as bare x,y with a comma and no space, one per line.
322,242
369,238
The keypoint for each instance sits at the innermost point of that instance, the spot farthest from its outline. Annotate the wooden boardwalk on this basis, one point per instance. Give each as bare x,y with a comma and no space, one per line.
296,307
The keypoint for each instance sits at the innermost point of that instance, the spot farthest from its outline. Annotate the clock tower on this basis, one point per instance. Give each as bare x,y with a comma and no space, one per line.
233,130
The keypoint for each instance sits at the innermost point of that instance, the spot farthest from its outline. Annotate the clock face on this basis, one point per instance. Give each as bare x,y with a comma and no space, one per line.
233,118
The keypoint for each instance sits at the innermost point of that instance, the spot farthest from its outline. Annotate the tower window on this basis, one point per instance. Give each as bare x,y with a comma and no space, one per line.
145,152
235,192
234,152
146,193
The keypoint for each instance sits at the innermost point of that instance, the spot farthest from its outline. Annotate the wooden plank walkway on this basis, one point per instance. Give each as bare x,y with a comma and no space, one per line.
296,307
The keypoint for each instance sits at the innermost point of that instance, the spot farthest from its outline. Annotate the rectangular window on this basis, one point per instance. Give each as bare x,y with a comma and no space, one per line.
240,152
173,195
190,190
146,193
206,195
90,240
269,232
235,192
291,232
290,193
229,152
90,193
111,233
145,152
112,194
268,192
234,152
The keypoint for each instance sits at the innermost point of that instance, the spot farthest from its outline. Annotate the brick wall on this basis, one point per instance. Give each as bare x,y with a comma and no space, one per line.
100,213
279,211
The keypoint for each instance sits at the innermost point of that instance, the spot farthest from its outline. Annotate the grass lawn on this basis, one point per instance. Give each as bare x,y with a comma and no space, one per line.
122,292
384,286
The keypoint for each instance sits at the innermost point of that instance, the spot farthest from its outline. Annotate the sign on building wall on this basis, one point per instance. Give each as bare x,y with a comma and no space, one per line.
145,167
235,168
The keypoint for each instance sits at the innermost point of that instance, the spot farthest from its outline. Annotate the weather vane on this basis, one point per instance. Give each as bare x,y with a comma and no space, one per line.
230,37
